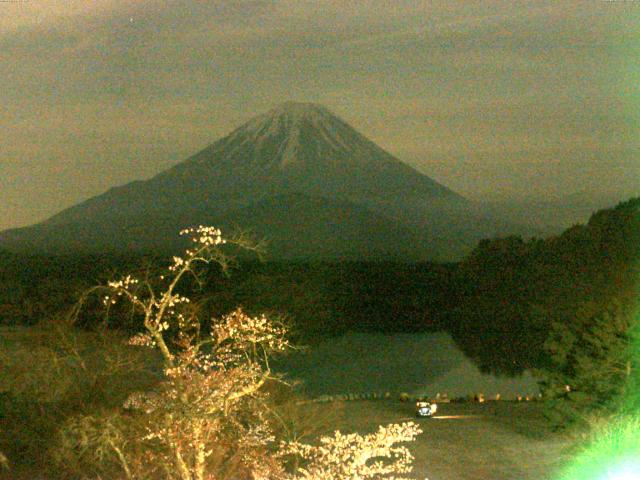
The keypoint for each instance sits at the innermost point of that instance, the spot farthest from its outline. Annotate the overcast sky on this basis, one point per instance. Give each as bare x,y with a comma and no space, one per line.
493,99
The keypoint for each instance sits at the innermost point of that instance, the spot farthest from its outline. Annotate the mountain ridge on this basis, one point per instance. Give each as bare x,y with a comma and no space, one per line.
295,148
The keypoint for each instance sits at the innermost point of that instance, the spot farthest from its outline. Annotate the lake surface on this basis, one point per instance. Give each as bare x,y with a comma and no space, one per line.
421,363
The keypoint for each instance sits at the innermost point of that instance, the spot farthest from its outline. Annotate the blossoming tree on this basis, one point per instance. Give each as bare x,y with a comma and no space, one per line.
207,419
353,456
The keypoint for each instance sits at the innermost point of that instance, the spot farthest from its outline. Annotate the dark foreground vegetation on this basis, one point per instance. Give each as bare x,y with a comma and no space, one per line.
564,306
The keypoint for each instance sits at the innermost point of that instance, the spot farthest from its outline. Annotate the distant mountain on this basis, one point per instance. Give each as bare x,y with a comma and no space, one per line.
550,216
297,175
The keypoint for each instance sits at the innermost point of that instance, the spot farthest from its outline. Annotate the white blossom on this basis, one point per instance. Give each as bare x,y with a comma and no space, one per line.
353,456
212,382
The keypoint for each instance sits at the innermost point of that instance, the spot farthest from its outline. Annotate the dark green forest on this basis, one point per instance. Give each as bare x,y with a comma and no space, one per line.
512,291
501,303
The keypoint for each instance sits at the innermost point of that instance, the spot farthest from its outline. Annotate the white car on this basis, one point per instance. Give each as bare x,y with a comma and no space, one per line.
425,409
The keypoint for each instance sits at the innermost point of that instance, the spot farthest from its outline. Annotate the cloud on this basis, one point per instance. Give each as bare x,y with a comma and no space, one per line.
37,14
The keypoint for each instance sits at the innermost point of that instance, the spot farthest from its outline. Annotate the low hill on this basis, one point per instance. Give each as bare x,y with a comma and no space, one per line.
511,290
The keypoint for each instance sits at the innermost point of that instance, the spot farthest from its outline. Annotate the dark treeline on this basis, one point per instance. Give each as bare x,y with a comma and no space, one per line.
323,299
316,299
499,303
512,292
35,287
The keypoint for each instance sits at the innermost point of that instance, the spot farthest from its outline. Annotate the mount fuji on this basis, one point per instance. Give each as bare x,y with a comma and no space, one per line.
298,176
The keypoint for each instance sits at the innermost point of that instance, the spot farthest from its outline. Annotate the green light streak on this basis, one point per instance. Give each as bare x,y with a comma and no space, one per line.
614,455
614,452
627,470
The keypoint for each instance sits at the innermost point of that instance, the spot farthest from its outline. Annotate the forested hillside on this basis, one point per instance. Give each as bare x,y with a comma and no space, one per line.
317,299
512,291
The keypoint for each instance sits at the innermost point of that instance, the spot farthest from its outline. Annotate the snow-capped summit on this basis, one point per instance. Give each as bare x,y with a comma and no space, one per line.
289,120
304,148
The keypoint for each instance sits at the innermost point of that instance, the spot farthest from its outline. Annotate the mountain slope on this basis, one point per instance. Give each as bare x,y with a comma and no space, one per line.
294,226
298,227
295,148
298,153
